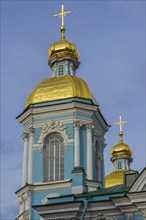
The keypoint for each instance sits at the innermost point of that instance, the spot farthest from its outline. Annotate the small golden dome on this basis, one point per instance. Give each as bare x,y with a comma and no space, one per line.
121,150
56,88
115,178
63,47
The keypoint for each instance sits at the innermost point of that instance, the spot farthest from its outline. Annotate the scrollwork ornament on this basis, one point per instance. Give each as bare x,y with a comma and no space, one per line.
100,216
129,215
52,126
89,127
143,211
77,124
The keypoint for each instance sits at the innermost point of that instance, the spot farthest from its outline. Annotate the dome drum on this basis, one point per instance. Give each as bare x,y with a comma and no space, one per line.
61,57
121,156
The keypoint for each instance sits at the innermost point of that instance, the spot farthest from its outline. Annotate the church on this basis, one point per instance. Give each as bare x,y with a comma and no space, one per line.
63,173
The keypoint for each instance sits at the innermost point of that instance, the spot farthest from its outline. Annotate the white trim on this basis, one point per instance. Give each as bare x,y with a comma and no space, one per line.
139,183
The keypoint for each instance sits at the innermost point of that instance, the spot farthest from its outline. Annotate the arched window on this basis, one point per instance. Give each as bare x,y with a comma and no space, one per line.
119,165
53,157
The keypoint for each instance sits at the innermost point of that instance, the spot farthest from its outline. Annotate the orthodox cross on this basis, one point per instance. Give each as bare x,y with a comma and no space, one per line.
62,14
120,123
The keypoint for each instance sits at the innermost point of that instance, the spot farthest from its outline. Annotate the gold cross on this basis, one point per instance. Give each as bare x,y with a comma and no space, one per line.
62,14
120,123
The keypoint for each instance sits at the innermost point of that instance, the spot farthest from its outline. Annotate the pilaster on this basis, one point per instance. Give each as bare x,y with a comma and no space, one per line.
25,159
89,152
77,126
30,156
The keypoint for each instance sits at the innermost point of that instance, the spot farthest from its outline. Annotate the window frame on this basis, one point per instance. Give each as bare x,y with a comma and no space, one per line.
53,156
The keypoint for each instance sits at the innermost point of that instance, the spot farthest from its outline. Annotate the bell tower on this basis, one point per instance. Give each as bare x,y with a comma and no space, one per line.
121,159
63,134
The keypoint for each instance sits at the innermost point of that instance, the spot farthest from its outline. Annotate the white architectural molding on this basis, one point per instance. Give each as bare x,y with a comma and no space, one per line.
129,215
21,205
139,183
89,152
50,127
30,156
25,159
27,197
52,195
77,126
100,216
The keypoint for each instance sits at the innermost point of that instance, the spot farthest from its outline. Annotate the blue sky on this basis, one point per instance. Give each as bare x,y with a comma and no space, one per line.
110,36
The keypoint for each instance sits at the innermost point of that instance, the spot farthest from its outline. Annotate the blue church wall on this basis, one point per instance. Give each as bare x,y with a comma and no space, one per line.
138,217
83,145
70,130
122,218
38,165
37,197
68,161
37,132
105,197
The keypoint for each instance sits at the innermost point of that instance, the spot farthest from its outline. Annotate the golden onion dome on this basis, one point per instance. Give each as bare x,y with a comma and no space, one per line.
115,178
56,88
121,149
63,47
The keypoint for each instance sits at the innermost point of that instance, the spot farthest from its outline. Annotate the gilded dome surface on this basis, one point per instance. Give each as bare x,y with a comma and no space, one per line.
121,149
115,178
65,47
56,88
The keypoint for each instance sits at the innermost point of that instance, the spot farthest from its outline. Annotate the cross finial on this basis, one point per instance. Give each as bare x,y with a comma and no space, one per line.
120,123
62,14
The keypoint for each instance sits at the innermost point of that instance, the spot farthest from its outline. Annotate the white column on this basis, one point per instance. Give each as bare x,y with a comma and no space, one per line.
25,159
77,144
89,152
30,157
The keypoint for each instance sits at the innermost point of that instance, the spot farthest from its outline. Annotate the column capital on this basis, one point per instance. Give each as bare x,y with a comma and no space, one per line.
129,215
31,131
77,124
143,210
25,136
89,126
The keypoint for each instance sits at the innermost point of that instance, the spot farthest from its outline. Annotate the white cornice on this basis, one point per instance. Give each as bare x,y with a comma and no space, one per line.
56,110
45,186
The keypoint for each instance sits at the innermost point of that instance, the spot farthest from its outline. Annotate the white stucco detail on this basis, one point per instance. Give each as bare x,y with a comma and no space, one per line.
21,205
52,195
50,127
129,215
27,197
